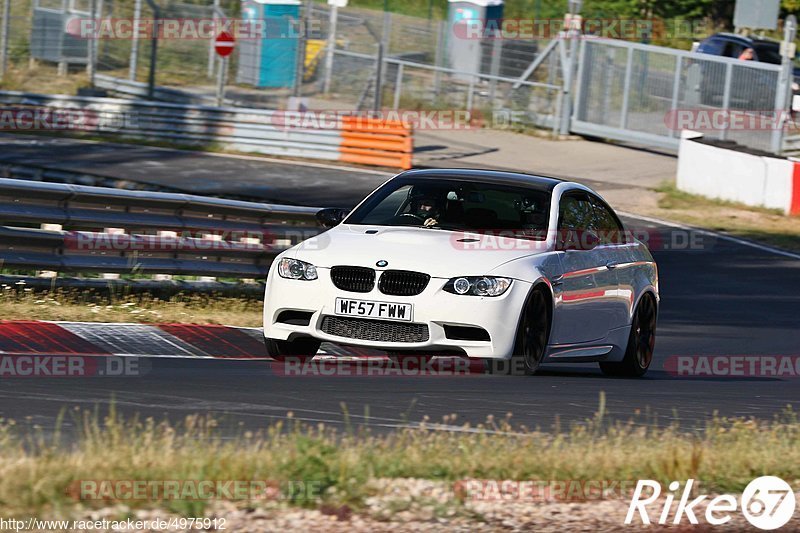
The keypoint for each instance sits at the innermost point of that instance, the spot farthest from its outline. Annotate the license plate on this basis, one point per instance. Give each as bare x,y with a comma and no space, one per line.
386,310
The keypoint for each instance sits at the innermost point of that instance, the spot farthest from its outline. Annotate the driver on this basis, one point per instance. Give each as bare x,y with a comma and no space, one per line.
424,207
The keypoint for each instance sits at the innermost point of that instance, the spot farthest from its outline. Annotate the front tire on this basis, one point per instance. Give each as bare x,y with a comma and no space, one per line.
533,334
302,349
641,343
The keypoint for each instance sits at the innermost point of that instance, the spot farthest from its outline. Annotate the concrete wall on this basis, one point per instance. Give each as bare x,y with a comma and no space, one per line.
734,176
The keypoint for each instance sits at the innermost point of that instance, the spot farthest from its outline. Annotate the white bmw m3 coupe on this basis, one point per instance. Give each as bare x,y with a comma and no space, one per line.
515,269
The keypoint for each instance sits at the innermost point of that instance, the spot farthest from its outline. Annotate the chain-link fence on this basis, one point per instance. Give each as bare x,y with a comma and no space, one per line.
374,59
50,41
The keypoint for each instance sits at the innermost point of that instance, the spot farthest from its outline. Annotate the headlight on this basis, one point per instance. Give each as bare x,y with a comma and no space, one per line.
294,269
796,87
478,286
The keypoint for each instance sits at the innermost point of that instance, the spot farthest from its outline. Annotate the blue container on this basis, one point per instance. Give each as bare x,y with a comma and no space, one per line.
270,61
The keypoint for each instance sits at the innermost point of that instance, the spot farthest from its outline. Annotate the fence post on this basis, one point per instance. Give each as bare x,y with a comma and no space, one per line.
398,86
676,89
439,58
4,29
379,79
783,93
300,65
471,91
134,61
494,68
211,51
222,76
90,67
726,98
623,119
151,77
331,47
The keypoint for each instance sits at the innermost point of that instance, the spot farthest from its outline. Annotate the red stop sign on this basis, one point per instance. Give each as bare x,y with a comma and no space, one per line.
224,44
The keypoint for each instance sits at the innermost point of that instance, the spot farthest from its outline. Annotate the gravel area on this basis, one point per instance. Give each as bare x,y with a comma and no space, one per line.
410,505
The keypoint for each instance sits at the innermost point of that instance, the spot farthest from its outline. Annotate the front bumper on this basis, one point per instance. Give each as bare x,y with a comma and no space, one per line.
434,308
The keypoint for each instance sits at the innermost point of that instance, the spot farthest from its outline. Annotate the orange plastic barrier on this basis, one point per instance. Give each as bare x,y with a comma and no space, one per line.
384,143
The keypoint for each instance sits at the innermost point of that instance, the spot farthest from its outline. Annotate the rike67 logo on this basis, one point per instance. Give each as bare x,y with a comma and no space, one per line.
768,503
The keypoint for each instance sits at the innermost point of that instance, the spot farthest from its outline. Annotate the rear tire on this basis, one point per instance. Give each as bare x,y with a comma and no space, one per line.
533,334
641,343
302,349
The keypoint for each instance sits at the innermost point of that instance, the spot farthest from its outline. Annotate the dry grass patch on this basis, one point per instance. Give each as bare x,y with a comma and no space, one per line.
38,471
89,306
763,225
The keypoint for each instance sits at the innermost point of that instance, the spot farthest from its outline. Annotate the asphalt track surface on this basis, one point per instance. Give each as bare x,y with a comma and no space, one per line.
724,299
278,181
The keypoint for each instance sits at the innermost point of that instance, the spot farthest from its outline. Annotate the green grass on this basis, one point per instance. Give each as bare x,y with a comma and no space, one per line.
38,471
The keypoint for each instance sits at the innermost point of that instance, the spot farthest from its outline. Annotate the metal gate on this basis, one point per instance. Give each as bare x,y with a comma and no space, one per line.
646,94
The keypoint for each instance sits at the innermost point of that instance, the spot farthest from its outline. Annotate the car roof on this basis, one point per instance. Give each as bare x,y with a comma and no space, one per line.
744,40
543,183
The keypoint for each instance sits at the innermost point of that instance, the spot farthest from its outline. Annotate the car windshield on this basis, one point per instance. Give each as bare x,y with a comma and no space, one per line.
458,206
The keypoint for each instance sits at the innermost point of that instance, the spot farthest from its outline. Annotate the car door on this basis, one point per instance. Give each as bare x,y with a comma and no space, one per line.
616,253
585,290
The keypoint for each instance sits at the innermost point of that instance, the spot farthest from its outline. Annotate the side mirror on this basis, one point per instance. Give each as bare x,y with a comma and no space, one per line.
583,241
331,216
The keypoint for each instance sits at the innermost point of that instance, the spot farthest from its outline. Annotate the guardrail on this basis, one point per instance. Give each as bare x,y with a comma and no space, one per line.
61,228
141,90
240,129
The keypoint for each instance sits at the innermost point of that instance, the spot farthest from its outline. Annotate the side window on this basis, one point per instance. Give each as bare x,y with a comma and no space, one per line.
575,212
712,46
575,217
607,225
733,49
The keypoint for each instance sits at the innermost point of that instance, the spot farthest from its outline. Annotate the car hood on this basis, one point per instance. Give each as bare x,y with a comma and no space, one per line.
439,253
